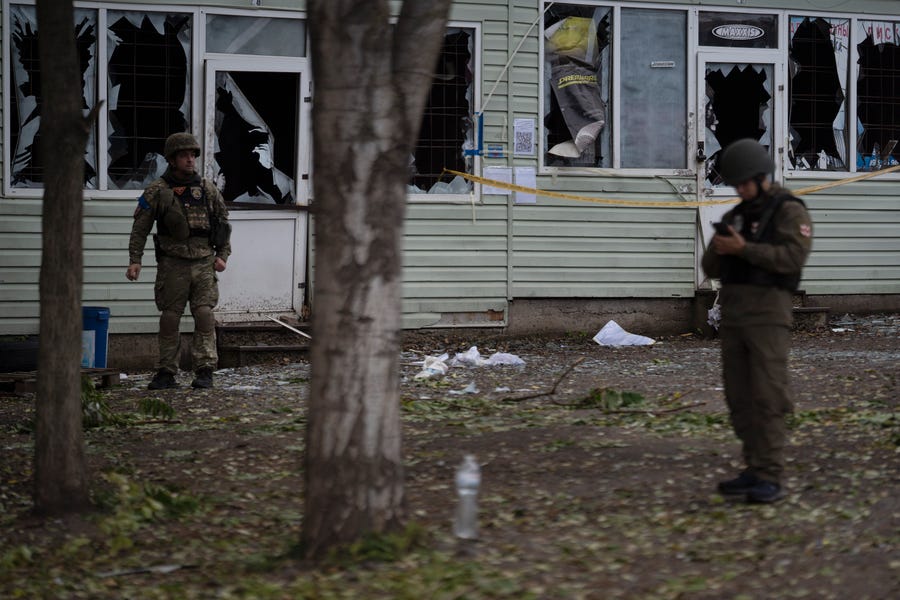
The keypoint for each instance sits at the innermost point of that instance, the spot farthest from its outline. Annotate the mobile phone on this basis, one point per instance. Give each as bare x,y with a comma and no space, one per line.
721,228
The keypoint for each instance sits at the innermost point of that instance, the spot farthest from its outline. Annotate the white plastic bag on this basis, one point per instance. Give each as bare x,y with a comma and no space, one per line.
613,335
433,366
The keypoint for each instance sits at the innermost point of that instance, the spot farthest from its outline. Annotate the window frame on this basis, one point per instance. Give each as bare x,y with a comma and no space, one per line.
693,47
477,60
196,65
198,58
615,120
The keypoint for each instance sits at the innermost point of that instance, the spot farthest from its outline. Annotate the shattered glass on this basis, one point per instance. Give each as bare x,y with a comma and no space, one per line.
254,110
878,86
149,93
448,126
738,105
577,60
819,64
26,168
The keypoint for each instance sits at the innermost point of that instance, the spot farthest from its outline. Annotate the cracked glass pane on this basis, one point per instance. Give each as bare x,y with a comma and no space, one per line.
738,105
576,92
654,95
878,95
447,129
26,168
255,154
230,34
819,65
149,58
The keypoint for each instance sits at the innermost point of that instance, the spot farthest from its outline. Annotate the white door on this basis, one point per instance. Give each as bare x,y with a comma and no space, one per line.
257,152
740,95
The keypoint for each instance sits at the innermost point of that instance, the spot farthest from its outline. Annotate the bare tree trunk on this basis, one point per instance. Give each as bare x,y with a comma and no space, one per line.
371,82
60,475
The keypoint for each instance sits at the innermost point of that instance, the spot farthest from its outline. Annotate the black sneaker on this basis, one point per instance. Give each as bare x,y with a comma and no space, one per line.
765,492
740,485
163,380
203,378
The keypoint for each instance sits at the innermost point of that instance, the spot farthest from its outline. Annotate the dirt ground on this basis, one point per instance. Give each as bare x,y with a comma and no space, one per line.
605,489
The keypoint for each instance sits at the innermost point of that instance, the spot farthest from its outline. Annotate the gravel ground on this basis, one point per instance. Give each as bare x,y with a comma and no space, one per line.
603,489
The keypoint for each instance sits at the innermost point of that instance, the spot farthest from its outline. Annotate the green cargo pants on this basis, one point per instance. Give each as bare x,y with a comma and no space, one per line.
179,281
754,362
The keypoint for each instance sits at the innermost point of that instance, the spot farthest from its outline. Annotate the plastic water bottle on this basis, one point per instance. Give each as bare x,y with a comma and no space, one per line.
468,478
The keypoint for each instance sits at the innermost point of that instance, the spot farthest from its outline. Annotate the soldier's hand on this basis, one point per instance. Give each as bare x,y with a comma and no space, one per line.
729,244
219,265
134,270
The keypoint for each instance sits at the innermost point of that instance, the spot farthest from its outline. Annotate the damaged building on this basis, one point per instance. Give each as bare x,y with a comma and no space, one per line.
596,101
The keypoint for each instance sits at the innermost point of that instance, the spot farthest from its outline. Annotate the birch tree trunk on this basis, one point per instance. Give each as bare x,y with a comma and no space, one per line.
371,80
60,474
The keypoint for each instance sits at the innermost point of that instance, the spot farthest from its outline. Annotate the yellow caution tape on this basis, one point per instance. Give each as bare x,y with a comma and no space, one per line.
642,203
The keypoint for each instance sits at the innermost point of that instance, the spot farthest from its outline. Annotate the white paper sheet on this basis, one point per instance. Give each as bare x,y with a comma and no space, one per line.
503,174
526,177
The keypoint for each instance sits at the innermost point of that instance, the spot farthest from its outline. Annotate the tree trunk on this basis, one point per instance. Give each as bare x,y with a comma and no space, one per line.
60,475
371,82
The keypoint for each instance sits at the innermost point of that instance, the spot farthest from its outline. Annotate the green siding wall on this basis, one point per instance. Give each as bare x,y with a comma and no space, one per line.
464,259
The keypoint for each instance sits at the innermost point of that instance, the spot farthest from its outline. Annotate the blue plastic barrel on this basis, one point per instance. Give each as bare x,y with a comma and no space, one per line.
94,336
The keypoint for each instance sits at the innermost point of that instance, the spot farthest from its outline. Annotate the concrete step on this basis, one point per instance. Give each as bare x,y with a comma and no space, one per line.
243,344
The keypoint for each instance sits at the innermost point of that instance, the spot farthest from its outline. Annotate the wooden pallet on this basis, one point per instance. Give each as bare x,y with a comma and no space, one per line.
26,382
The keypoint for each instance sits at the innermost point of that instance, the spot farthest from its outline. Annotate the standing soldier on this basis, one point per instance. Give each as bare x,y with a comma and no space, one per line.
192,244
758,253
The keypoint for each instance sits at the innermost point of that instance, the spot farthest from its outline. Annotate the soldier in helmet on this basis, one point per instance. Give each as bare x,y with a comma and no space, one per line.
192,244
758,253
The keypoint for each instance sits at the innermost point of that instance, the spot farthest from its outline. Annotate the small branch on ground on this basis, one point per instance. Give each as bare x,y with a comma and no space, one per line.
549,392
652,412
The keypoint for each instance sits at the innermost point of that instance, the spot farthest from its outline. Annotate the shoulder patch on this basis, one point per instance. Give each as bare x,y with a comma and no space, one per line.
142,202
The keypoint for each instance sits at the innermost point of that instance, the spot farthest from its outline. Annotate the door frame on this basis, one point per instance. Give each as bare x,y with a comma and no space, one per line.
302,181
706,214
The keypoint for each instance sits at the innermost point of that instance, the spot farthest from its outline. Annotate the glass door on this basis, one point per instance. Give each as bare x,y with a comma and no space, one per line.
257,153
740,95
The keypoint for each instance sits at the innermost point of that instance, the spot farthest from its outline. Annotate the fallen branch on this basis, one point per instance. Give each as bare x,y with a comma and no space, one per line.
549,392
651,412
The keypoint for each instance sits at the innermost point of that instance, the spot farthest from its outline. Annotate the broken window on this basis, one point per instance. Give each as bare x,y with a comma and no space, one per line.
230,34
149,58
577,89
26,168
447,129
653,101
256,124
738,105
878,94
819,63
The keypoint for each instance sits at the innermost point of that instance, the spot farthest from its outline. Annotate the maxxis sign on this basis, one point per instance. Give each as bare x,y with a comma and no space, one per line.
738,32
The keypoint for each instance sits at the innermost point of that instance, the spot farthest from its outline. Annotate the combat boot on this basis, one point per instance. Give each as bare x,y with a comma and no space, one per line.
765,492
740,485
203,379
163,380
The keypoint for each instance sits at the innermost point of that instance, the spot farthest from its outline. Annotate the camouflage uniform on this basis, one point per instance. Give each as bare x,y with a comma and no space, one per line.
756,294
184,256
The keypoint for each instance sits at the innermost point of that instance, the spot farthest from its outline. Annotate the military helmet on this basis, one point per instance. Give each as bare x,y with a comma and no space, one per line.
181,141
743,160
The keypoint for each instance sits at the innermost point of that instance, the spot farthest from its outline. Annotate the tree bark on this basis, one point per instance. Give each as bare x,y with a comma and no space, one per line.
60,474
371,82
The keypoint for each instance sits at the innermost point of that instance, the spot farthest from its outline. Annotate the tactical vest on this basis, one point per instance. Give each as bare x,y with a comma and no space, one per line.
737,270
196,208
189,204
